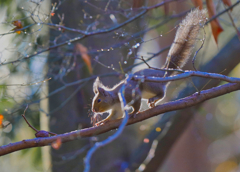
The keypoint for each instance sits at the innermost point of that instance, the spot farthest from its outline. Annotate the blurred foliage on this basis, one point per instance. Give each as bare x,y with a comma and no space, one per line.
12,105
3,3
5,102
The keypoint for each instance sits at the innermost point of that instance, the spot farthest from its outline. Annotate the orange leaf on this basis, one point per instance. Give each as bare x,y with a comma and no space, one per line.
57,144
215,25
86,58
198,3
18,25
216,29
227,3
1,119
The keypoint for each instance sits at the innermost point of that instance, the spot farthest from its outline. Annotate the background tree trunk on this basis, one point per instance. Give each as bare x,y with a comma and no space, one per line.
74,114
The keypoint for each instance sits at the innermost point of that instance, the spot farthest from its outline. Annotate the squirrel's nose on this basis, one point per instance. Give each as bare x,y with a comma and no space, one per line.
94,109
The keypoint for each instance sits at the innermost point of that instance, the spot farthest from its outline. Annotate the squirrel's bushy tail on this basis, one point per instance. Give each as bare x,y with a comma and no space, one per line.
185,38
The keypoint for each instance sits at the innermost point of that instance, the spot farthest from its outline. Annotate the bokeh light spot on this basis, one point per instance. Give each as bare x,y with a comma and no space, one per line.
158,129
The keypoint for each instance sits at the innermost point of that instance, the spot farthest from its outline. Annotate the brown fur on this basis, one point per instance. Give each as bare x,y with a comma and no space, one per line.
107,99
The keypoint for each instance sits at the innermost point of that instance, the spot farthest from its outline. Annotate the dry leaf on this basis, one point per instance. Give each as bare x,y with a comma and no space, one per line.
83,51
227,3
216,29
1,119
198,3
57,144
18,25
215,25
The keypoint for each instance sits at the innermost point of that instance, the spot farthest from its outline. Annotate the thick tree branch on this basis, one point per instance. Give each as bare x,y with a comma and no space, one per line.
170,106
187,74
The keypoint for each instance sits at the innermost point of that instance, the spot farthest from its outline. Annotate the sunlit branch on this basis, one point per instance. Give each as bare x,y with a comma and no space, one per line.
187,74
166,107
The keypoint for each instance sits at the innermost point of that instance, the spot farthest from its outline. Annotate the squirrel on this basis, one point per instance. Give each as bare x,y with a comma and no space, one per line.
107,99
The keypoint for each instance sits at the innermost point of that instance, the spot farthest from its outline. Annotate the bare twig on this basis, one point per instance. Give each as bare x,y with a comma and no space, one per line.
235,27
87,34
222,12
194,57
23,115
144,61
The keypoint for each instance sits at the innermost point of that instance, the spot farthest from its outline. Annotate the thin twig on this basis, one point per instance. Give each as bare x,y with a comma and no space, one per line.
210,81
86,34
194,57
162,69
222,12
235,27
4,126
145,62
23,115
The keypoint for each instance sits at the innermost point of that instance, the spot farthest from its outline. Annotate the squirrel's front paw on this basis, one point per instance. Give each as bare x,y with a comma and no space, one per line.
151,102
96,118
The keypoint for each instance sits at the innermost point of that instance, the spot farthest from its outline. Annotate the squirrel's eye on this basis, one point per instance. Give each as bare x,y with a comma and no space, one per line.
99,100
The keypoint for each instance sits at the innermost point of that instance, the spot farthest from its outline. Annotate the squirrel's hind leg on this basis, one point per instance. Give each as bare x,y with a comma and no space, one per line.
136,106
153,100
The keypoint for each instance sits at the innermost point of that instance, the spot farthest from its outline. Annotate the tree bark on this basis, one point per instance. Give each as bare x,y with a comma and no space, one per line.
80,104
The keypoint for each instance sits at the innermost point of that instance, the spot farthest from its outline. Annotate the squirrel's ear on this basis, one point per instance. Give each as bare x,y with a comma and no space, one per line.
96,85
102,91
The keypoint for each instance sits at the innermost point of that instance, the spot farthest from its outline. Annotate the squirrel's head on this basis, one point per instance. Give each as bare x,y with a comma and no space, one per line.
102,100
